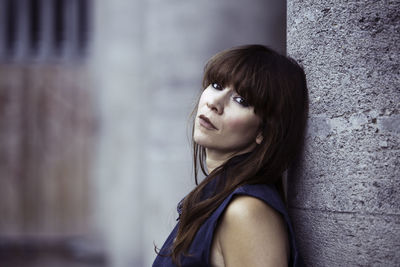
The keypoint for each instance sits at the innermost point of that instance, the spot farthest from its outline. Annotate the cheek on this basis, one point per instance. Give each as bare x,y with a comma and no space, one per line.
236,123
242,124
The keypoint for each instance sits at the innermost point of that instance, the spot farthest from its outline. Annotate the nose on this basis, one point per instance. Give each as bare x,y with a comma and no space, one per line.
217,101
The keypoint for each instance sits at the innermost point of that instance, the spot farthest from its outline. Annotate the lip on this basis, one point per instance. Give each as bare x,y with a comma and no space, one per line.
205,122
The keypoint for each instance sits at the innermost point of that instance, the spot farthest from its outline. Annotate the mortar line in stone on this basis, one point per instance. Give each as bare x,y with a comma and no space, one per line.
347,212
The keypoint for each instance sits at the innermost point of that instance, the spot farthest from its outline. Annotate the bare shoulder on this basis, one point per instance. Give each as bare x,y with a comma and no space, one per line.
250,208
251,233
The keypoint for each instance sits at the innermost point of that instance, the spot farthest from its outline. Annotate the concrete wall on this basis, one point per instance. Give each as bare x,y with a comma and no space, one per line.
345,192
147,63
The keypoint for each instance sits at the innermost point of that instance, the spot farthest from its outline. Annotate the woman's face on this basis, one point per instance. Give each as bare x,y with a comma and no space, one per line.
224,122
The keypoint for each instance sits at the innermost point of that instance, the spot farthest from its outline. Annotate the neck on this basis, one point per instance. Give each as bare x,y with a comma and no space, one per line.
214,159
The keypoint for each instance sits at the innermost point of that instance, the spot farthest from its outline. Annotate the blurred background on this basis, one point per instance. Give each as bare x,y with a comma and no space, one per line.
95,103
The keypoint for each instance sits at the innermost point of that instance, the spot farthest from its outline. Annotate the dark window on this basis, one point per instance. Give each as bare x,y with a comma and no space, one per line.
83,24
59,26
10,25
34,28
42,30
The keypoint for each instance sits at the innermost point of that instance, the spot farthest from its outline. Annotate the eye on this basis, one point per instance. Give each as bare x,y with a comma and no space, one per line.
241,101
216,86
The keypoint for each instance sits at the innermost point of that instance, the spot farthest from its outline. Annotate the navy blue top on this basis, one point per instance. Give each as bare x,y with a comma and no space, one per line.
200,248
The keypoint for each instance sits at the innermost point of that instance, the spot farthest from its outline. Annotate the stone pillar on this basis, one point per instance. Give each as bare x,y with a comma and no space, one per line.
345,191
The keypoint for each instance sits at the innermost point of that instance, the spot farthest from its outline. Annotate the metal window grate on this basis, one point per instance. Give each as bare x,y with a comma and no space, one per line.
43,30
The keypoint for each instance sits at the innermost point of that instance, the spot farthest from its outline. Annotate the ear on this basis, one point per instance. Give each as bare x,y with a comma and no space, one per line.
259,138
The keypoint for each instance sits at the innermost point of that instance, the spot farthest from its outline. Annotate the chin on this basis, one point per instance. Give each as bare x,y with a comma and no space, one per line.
201,141
199,137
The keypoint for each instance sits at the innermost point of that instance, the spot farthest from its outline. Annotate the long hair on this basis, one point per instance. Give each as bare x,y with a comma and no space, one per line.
275,85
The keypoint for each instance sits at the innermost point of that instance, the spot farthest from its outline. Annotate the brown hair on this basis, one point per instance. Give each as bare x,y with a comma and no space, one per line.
275,85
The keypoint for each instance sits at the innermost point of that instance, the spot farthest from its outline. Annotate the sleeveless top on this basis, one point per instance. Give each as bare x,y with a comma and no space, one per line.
200,249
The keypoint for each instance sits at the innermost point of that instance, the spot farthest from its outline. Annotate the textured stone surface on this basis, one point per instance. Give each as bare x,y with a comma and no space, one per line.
348,180
354,53
347,239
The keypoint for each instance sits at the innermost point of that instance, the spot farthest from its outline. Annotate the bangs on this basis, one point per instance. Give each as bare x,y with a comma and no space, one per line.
247,72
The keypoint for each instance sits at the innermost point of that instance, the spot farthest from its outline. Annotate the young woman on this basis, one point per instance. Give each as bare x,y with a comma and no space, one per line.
248,129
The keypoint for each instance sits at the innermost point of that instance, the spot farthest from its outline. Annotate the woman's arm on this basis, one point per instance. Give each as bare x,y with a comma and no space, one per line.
251,233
